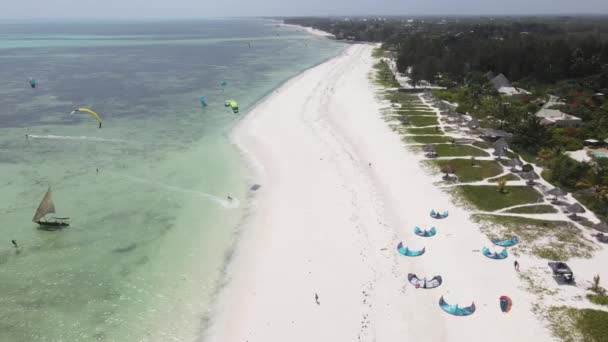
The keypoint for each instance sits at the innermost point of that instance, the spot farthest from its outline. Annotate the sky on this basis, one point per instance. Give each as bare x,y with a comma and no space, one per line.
149,9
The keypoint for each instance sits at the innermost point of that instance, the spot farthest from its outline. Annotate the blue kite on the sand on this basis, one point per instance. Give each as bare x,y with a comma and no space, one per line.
494,255
437,215
425,233
407,252
506,243
455,310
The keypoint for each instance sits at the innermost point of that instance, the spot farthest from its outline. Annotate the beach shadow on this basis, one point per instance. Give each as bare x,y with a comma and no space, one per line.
126,249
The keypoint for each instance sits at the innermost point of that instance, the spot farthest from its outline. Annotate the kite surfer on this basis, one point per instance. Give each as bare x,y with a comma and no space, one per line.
15,243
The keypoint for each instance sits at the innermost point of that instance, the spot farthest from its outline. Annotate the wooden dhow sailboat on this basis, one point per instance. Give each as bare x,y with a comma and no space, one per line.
48,207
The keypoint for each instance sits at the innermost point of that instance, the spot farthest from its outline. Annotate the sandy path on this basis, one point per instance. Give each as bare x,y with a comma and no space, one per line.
326,222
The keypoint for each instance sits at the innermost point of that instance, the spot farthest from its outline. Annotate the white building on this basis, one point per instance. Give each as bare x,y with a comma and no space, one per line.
549,116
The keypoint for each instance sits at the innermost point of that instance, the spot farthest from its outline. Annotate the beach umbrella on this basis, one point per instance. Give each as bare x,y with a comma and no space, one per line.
429,148
474,123
516,165
516,162
602,227
575,208
501,144
499,152
557,192
530,176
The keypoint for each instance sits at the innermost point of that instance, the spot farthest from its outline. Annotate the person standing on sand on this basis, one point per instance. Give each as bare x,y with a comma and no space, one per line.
516,265
317,299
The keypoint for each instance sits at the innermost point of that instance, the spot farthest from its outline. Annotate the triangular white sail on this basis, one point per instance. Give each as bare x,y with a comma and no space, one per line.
46,206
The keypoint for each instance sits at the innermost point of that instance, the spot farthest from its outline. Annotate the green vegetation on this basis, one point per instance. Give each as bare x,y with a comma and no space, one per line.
403,98
426,130
571,324
469,173
553,240
427,139
487,198
384,75
593,324
534,209
415,112
451,150
482,144
566,57
508,177
379,53
419,121
598,299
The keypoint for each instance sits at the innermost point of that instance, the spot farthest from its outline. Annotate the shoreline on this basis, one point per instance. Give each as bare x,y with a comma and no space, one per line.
310,30
326,223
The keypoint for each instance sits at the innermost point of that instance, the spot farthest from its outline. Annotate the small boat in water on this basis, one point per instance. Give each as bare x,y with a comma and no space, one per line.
48,207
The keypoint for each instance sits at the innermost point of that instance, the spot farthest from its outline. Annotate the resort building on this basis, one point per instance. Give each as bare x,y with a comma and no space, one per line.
549,116
502,85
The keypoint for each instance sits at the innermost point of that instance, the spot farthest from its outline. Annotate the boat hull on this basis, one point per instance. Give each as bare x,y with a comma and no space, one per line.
53,224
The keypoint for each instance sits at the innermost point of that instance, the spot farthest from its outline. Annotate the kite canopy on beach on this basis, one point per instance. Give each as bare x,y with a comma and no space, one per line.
434,282
495,255
407,252
505,304
455,309
506,243
437,215
425,233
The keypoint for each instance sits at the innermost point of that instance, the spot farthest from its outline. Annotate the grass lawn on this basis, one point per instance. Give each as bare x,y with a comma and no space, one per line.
415,112
426,130
427,139
467,173
418,121
534,209
450,150
571,324
552,240
598,299
593,324
509,177
486,197
379,53
384,76
403,98
482,144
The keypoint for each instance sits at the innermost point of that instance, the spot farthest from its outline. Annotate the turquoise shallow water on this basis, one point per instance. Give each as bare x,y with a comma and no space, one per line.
152,228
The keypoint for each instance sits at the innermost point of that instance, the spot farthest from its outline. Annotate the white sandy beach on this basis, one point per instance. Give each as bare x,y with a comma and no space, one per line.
326,222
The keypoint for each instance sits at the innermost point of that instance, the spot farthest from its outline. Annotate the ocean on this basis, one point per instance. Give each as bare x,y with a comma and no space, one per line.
151,223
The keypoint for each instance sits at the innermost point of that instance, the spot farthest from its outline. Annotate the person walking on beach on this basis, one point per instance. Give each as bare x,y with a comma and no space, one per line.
516,265
317,299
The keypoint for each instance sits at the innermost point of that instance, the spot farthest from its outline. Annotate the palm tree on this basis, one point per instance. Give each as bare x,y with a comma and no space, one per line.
596,287
502,185
594,180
